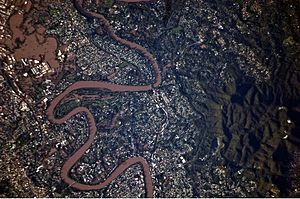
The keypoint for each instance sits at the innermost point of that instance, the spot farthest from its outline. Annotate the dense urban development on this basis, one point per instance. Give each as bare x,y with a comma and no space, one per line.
149,98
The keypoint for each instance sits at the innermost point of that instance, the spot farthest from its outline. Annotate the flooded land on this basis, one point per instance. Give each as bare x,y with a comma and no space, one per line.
150,98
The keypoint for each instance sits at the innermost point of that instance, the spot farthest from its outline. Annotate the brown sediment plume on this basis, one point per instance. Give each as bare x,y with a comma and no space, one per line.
91,121
30,42
15,22
33,49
